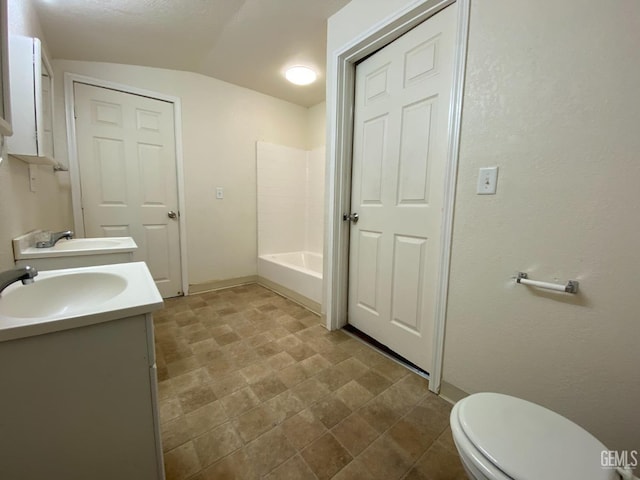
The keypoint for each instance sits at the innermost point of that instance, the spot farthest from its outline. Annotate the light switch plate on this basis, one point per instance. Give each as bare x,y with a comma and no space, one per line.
487,181
219,193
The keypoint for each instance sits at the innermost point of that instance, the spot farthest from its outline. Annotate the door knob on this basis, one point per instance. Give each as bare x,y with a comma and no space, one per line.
172,214
353,217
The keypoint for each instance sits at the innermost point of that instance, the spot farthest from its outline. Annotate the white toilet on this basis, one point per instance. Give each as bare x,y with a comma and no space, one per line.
500,437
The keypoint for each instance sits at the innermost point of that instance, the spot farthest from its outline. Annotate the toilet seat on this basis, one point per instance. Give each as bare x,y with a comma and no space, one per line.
509,438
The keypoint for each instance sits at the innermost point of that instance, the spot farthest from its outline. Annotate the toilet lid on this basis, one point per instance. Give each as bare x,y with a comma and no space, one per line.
529,442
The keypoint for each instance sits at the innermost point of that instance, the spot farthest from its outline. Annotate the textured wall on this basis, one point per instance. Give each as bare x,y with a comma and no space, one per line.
552,98
220,126
20,209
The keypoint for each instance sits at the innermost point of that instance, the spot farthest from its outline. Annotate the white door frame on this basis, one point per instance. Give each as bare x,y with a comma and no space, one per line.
74,166
340,141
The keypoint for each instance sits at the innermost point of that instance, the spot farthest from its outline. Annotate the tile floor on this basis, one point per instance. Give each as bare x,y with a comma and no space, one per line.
253,386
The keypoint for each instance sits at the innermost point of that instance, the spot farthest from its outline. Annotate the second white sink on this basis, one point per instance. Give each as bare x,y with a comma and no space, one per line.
87,244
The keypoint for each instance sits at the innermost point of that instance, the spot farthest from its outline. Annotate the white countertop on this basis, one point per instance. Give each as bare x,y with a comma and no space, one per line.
76,247
139,296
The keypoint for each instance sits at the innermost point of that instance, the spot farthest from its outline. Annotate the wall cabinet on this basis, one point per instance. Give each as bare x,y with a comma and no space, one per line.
31,101
5,105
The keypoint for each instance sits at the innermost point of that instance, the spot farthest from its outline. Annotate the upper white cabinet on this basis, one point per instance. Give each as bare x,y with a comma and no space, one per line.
31,101
5,104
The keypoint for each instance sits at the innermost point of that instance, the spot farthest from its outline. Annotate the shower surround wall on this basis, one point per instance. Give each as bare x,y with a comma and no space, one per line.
290,221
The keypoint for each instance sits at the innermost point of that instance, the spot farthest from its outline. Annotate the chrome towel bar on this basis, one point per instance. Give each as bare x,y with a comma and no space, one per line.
570,287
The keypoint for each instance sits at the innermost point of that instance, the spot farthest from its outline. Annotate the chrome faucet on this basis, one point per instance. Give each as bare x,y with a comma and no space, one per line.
54,237
25,274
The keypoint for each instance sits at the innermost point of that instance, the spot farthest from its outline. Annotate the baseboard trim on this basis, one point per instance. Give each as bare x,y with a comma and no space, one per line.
220,284
451,393
290,294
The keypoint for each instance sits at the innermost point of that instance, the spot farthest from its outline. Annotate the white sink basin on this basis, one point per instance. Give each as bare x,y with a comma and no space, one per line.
85,244
61,294
76,297
24,249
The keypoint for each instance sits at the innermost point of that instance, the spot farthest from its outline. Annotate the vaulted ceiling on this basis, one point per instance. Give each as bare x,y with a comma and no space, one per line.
246,42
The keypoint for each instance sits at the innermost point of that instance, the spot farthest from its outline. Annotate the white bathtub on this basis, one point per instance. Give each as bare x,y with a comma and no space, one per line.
297,272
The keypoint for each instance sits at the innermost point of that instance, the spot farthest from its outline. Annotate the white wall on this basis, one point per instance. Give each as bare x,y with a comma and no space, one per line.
221,124
282,191
316,126
551,97
20,209
314,202
290,199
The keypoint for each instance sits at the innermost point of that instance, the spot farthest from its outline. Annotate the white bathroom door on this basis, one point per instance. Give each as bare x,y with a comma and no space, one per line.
128,179
401,121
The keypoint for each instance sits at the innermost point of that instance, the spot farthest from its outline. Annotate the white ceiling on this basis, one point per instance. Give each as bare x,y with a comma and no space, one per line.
245,42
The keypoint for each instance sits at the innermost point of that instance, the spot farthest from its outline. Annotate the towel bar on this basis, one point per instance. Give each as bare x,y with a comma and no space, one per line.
570,287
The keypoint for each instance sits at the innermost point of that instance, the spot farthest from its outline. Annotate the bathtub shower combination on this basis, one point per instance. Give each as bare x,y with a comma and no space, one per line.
290,222
298,272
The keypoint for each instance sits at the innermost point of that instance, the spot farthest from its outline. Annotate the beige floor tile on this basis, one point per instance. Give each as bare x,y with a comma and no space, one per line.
385,460
438,463
268,387
189,380
196,397
206,418
310,391
256,372
240,402
170,408
333,378
302,429
354,395
280,360
379,414
292,375
257,421
181,366
354,434
287,403
174,433
326,456
227,384
236,466
249,383
216,443
181,462
269,451
293,469
301,352
390,369
355,470
412,439
330,410
374,382
352,367
290,341
315,364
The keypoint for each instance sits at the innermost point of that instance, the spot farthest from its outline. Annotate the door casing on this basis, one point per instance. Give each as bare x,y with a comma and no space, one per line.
339,146
74,166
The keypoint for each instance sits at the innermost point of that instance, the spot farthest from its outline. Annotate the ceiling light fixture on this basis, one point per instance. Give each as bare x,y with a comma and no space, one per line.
301,75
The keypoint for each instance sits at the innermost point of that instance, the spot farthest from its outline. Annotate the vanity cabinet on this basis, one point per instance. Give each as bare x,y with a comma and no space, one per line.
31,95
81,404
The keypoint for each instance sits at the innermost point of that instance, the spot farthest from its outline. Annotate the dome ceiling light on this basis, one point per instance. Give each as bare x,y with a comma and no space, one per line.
300,75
